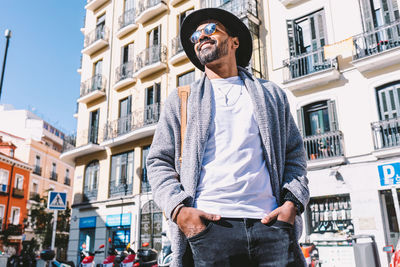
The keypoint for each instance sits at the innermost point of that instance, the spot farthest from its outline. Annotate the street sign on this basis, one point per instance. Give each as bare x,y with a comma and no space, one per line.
389,174
57,200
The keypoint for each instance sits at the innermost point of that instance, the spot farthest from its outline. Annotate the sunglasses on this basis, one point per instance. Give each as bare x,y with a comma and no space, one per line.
208,30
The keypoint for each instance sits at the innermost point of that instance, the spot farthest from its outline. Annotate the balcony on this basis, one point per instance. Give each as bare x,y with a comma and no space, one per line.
177,53
95,40
386,136
137,125
37,170
89,194
120,189
124,75
53,176
92,89
85,142
148,9
67,181
94,4
18,193
324,150
241,9
127,23
12,230
377,49
3,189
309,70
34,196
150,60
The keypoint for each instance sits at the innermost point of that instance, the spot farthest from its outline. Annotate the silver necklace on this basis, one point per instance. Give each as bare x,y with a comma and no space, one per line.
227,93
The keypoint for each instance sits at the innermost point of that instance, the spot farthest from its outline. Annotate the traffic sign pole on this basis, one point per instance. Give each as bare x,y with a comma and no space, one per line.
53,237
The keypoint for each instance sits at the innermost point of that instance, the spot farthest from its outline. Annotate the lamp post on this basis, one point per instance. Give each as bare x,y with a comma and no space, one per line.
7,34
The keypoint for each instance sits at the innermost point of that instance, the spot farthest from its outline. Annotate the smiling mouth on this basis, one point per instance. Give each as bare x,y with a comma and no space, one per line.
204,43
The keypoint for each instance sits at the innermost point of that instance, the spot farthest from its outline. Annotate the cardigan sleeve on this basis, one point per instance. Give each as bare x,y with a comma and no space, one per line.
295,182
163,177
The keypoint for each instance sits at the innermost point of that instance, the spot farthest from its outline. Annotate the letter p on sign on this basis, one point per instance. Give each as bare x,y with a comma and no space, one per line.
388,173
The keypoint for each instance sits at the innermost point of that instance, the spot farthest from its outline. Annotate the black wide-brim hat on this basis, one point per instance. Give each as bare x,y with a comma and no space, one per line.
235,26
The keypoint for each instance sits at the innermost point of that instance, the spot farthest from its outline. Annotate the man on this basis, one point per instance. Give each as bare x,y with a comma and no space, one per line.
242,180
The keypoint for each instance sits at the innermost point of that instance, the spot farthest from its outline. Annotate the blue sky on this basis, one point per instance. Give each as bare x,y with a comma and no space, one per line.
43,56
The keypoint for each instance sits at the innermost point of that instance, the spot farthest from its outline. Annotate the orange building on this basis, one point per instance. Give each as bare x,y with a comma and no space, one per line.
14,187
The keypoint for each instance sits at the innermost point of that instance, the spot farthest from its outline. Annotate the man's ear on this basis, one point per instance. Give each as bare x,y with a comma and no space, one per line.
235,42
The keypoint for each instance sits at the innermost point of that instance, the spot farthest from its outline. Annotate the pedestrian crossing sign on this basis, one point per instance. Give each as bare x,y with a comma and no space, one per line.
57,200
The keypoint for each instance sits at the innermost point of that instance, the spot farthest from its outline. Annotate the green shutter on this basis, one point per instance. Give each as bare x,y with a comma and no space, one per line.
300,121
333,122
291,37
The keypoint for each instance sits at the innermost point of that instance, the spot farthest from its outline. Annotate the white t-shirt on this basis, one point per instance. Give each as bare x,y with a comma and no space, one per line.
234,180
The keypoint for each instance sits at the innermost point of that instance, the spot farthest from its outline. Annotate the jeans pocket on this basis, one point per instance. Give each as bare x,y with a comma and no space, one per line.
202,233
282,225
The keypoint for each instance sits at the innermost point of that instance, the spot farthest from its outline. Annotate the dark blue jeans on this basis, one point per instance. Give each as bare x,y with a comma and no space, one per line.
244,243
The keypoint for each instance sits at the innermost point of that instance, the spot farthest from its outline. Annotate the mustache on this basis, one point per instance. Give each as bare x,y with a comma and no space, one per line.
205,39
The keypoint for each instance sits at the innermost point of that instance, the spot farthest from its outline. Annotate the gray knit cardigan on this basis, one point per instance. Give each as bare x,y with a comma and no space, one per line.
282,145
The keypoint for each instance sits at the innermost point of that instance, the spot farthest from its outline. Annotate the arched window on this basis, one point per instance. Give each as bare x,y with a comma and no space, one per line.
91,181
151,225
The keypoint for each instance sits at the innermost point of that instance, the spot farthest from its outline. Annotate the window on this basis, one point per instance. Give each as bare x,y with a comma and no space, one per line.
127,53
100,25
319,127
145,187
389,100
91,180
94,126
53,167
3,180
377,13
2,208
120,237
97,79
151,225
14,218
125,118
154,37
67,173
121,182
128,5
19,182
35,187
186,78
152,105
126,68
37,160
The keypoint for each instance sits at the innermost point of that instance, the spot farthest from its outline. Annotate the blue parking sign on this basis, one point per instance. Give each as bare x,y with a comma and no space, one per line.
57,200
389,174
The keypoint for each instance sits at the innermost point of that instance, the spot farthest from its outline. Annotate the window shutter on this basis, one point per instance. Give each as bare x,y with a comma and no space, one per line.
333,123
366,11
291,37
300,121
129,107
130,52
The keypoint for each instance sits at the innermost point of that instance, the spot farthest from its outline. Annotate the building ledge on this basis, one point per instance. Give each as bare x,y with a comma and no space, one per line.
151,12
289,2
94,47
71,155
312,80
127,29
91,96
323,163
386,152
149,69
130,136
378,61
175,2
178,57
123,83
94,4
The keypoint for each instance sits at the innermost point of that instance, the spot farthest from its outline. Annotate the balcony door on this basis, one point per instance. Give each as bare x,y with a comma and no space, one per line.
389,101
377,13
94,127
154,41
97,75
127,56
100,25
125,118
152,107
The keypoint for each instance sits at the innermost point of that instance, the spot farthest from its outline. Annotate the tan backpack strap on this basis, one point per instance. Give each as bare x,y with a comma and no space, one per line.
183,93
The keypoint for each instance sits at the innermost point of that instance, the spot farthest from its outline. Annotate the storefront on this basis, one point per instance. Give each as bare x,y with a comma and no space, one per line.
87,230
119,229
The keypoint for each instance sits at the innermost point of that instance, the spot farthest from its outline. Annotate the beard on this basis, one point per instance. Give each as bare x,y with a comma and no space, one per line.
213,52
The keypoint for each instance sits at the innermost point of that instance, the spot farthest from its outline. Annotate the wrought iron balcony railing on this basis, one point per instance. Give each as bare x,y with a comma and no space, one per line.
176,46
127,18
100,33
88,136
145,187
305,64
120,188
96,83
67,180
386,133
377,41
143,5
37,170
237,7
12,229
53,176
124,71
89,194
34,196
19,193
322,146
136,120
150,55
